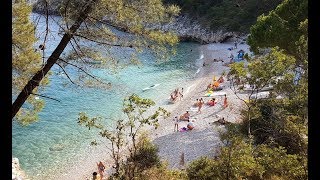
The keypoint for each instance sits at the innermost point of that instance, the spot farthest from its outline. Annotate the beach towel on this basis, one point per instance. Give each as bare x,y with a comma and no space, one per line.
219,93
184,129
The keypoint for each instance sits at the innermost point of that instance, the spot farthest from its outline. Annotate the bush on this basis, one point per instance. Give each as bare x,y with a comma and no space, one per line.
146,155
202,168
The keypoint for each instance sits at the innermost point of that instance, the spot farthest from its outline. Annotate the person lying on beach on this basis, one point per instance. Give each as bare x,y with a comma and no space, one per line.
217,88
217,60
209,87
216,84
190,125
185,116
212,102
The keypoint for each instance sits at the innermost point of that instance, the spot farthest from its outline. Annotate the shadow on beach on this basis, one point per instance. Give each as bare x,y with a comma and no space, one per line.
193,144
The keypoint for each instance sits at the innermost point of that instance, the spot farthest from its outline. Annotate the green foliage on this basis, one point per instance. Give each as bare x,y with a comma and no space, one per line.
202,168
146,156
228,15
235,161
126,137
273,124
239,159
26,61
162,172
280,27
263,70
277,162
130,16
135,107
277,145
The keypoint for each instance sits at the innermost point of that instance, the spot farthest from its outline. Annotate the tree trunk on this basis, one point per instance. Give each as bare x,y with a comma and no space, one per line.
35,81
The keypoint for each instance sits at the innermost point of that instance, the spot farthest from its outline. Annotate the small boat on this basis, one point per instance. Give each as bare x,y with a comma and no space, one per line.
150,87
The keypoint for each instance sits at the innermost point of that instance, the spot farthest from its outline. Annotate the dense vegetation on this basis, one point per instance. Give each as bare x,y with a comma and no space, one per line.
229,15
271,141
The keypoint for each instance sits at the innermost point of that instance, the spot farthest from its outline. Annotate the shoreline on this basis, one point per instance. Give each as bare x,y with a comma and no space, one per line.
202,141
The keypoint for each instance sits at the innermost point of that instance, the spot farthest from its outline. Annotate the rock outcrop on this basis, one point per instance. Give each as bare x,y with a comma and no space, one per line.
190,30
17,172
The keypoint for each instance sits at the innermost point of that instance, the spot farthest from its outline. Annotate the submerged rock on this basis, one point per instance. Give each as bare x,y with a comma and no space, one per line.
56,147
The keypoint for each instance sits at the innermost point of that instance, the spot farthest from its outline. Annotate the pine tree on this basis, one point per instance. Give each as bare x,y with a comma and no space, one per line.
26,61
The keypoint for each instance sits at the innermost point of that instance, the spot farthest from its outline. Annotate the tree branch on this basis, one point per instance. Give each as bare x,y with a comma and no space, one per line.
100,42
81,70
65,73
35,81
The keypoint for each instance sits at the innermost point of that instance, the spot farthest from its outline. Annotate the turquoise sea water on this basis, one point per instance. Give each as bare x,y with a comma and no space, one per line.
57,138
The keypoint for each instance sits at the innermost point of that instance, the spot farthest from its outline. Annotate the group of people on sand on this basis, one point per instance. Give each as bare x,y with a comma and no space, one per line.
212,102
215,86
183,117
176,94
199,103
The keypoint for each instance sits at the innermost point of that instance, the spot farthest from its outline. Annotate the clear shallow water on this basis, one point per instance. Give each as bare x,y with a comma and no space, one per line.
57,138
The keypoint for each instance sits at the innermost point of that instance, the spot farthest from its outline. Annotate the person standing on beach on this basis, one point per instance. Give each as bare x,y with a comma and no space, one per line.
225,102
181,94
101,168
176,122
201,102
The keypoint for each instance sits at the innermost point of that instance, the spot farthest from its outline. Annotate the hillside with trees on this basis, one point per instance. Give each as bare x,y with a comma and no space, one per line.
228,15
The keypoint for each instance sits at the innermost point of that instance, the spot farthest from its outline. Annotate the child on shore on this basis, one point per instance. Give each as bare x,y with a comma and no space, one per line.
176,122
225,102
